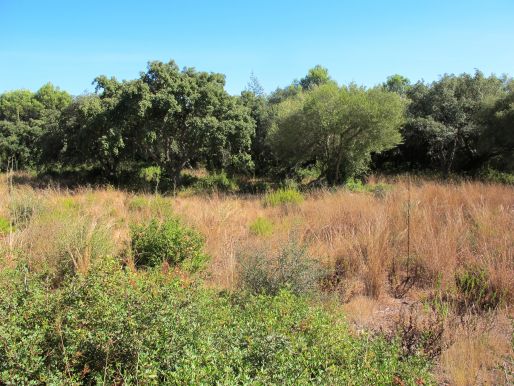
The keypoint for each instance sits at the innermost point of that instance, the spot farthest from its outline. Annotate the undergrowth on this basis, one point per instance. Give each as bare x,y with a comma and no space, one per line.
113,326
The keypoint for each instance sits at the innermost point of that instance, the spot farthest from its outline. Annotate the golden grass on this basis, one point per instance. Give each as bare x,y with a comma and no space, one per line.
480,355
451,226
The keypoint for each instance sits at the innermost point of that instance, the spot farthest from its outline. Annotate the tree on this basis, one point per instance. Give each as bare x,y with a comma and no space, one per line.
173,118
260,110
397,83
316,76
444,116
497,133
443,131
337,128
25,120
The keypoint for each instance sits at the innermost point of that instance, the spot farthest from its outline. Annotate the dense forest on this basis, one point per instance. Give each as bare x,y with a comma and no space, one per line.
168,120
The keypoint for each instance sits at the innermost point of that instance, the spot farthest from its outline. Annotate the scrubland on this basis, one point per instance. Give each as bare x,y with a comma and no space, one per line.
395,282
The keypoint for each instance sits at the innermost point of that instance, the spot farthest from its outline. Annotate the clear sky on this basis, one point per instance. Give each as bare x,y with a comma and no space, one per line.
70,42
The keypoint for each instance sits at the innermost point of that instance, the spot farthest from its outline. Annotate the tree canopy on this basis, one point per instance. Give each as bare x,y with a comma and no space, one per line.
338,128
171,119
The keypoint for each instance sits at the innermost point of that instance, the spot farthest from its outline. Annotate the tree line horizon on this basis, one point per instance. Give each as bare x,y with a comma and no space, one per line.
169,119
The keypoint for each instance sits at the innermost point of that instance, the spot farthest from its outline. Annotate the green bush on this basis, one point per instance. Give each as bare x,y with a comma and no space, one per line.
283,197
495,176
5,226
379,190
290,268
261,227
168,241
476,290
215,182
113,326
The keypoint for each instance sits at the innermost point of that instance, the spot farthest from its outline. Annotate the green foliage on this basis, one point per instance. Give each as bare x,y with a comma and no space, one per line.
5,226
316,76
151,176
113,326
261,227
476,289
495,176
283,197
26,119
169,241
173,119
446,120
215,182
262,113
291,268
337,128
356,185
397,83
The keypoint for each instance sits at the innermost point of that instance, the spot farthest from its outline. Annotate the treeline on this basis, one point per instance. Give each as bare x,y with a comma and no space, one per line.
170,119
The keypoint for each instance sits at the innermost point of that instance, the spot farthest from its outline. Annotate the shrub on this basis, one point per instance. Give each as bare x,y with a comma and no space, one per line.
261,227
354,185
290,268
5,226
495,176
379,190
476,290
169,241
283,197
215,182
112,326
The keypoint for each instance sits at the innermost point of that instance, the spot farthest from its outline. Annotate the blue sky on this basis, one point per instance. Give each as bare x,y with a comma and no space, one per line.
71,42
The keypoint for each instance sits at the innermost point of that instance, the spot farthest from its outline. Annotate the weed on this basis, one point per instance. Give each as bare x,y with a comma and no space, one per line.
476,290
261,227
283,197
5,226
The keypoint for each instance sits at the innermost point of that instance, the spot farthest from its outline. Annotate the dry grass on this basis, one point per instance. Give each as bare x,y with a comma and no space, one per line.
364,236
482,354
361,238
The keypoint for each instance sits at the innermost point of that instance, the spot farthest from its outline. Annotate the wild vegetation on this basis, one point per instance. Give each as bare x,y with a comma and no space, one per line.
162,231
410,285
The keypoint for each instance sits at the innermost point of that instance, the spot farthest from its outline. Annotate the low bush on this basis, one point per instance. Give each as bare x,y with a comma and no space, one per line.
215,182
379,189
113,326
5,226
266,272
497,177
261,227
475,290
283,197
168,241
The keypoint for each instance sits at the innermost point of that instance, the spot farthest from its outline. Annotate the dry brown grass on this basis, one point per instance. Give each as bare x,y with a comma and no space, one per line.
482,354
362,238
